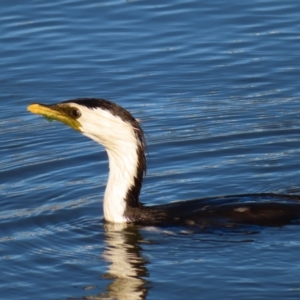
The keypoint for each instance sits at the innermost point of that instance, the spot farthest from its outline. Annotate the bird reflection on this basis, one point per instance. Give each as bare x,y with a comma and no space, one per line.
127,266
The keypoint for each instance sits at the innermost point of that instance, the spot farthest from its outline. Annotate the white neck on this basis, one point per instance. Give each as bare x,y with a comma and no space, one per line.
119,139
122,170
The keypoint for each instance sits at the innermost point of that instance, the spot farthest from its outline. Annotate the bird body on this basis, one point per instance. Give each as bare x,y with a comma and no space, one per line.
122,136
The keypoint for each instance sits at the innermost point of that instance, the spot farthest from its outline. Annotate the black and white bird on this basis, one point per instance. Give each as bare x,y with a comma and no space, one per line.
122,136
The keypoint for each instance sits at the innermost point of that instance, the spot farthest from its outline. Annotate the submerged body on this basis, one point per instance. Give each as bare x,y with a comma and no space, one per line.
224,211
120,133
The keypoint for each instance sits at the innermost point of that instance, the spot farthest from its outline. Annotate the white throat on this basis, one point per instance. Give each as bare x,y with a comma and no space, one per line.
119,139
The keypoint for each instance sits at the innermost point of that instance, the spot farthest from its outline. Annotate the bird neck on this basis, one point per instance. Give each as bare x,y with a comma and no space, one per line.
124,182
125,146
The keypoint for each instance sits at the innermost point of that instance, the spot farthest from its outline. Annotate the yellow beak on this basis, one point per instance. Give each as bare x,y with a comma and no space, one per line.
57,112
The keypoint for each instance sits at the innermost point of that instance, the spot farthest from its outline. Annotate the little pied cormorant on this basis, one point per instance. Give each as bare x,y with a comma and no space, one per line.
122,136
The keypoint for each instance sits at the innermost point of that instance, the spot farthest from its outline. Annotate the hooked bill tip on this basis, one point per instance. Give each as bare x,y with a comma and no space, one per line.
34,108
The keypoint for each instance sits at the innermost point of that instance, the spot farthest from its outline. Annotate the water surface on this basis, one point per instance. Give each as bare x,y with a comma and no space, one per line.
216,85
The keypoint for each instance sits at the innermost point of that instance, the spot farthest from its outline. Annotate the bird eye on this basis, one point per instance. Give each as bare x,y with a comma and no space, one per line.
75,112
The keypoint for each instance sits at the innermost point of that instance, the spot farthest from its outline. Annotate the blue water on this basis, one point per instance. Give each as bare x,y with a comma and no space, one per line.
216,85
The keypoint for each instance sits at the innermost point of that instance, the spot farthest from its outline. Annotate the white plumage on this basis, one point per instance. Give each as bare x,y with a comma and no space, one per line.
120,142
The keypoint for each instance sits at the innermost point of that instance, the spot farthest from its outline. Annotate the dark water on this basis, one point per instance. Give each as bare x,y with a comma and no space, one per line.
216,84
